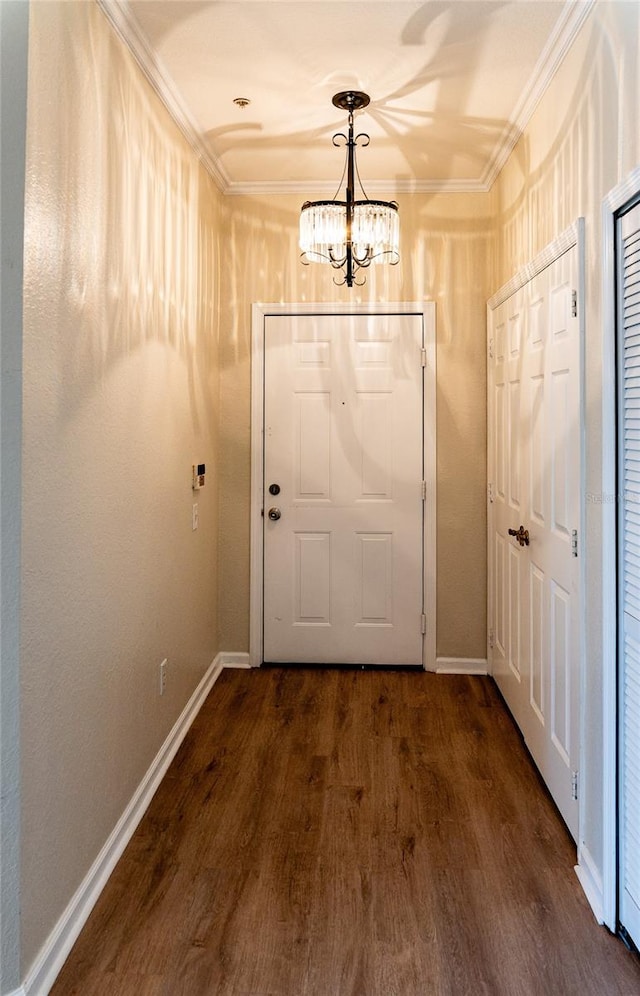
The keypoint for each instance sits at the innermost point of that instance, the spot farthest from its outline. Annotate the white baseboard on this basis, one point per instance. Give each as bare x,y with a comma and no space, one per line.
591,882
55,951
234,660
461,665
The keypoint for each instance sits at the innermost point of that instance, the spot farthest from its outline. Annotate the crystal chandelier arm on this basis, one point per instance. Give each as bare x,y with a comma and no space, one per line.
344,168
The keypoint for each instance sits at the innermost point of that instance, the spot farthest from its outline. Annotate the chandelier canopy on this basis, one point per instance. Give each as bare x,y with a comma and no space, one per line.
350,233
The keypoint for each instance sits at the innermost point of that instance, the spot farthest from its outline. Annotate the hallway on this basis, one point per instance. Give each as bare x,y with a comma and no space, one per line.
348,833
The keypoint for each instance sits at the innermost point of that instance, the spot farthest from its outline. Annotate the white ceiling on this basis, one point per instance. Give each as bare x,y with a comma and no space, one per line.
452,84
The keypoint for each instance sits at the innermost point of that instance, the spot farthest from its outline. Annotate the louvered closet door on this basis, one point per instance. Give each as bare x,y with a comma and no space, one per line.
629,575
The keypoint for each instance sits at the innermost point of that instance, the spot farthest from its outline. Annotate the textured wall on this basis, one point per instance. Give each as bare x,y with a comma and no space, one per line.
120,398
445,245
581,142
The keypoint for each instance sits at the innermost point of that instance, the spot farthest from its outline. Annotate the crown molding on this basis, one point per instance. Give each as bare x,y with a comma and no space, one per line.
316,190
126,26
572,236
573,16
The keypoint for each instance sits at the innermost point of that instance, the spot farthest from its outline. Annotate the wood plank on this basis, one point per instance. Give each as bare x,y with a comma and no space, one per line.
323,833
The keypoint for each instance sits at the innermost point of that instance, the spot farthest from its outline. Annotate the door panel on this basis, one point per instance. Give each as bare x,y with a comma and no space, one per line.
536,450
312,578
343,564
537,644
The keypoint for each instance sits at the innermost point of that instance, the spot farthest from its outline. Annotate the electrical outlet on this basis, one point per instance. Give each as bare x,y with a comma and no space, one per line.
163,676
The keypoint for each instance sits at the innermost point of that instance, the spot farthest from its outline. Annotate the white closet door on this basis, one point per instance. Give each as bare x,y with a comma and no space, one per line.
511,467
629,571
534,478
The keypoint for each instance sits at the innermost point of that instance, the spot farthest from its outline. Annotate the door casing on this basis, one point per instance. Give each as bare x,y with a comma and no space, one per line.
259,313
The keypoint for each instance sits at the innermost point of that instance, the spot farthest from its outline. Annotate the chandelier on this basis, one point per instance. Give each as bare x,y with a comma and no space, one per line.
350,233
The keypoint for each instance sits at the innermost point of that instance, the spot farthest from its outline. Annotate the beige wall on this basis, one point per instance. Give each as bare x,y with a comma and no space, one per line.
445,246
583,140
120,398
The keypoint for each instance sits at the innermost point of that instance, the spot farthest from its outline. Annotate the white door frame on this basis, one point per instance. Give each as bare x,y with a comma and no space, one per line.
612,203
427,310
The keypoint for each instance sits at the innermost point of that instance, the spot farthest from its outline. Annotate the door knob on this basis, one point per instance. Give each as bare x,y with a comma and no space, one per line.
275,513
521,534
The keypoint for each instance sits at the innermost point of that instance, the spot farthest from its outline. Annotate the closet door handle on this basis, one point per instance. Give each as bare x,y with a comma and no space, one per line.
521,534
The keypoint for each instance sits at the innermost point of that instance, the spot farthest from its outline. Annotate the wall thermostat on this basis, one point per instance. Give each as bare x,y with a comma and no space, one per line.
198,471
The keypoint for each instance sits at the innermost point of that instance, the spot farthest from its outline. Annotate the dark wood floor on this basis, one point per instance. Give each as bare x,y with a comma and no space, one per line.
349,833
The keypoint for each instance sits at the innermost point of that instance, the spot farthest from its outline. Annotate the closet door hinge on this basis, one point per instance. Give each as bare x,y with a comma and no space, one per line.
491,640
574,304
424,490
423,357
490,492
423,624
491,348
574,785
574,542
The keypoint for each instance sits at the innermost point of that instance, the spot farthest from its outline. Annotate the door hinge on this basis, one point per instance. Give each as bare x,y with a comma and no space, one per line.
423,624
574,785
491,640
491,348
490,492
574,304
574,542
424,490
423,357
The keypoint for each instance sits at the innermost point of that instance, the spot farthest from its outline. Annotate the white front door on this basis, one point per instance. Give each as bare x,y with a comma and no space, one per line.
535,483
343,491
